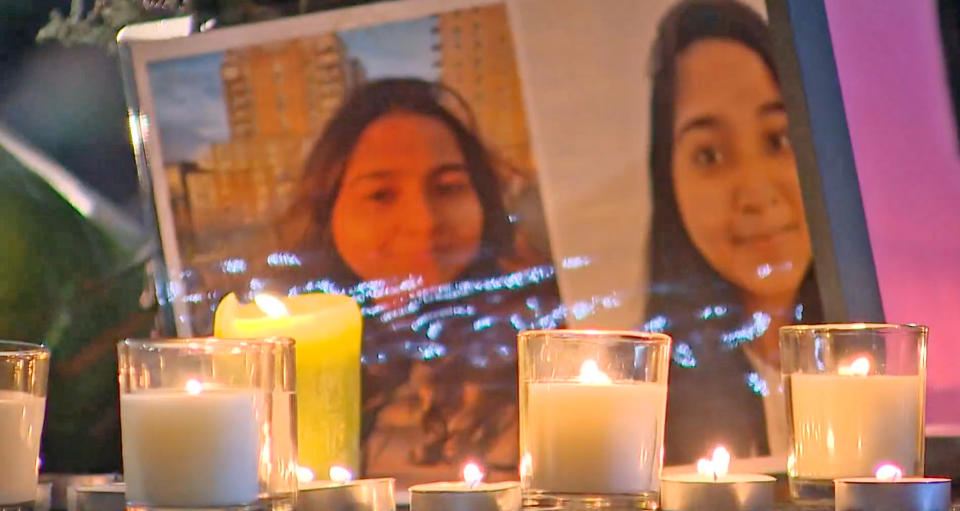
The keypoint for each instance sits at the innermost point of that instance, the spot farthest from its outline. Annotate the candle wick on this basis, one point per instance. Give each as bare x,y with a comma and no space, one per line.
716,477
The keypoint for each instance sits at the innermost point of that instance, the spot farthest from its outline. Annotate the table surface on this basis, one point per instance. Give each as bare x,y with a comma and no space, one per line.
792,506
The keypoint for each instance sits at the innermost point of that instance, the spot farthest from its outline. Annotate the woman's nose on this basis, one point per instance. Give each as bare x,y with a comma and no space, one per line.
756,194
418,214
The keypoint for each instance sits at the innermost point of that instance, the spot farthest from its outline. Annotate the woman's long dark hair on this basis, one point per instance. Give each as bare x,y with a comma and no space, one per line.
704,312
327,161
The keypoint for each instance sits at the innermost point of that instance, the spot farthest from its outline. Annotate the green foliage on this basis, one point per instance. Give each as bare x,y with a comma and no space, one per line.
63,281
99,26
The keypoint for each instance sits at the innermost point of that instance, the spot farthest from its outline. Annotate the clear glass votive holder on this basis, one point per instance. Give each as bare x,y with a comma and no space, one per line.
592,409
208,424
855,400
23,397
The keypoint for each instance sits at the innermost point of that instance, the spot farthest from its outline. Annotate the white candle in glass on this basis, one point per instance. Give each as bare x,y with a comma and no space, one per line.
594,435
471,494
197,448
21,420
845,424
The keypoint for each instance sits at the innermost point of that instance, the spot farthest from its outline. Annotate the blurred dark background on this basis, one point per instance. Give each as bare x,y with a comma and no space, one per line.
66,279
66,101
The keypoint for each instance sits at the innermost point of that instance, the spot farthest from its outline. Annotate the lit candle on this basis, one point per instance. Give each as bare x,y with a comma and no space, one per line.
471,494
888,490
97,497
326,329
713,488
44,496
342,493
844,424
21,419
593,435
196,448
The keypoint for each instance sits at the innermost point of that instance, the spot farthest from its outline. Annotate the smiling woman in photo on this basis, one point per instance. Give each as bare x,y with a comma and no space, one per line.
400,191
731,254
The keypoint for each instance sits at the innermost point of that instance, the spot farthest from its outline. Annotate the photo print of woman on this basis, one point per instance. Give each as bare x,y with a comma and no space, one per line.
402,162
390,162
398,187
731,254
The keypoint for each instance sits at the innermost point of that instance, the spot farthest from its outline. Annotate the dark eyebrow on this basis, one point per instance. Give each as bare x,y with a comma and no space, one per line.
773,107
381,174
372,175
702,122
443,168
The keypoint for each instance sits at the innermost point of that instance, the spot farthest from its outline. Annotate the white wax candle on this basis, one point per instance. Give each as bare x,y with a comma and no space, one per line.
731,492
845,425
594,437
890,491
21,421
359,495
100,497
461,496
190,450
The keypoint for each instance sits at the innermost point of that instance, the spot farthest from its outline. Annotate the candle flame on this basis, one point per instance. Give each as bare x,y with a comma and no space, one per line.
889,472
591,373
271,305
859,367
340,474
472,474
717,466
194,387
526,465
304,474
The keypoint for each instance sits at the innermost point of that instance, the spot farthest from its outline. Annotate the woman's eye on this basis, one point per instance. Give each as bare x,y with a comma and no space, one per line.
452,185
382,196
778,141
452,188
707,156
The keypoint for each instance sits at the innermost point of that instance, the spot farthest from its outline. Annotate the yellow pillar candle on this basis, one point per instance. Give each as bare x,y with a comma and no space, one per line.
327,331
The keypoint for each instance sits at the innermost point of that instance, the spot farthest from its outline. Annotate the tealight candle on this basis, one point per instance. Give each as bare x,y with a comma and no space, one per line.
471,494
99,497
888,490
713,488
342,493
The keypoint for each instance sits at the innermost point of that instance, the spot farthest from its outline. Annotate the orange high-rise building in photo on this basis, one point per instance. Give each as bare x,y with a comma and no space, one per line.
477,59
277,96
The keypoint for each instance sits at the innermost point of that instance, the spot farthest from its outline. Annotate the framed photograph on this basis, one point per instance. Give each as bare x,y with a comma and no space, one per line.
466,169
233,114
381,152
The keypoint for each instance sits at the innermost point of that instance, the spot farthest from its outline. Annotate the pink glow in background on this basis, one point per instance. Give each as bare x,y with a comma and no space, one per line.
895,93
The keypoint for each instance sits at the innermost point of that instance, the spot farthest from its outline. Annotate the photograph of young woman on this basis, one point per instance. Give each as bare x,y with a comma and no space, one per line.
730,247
